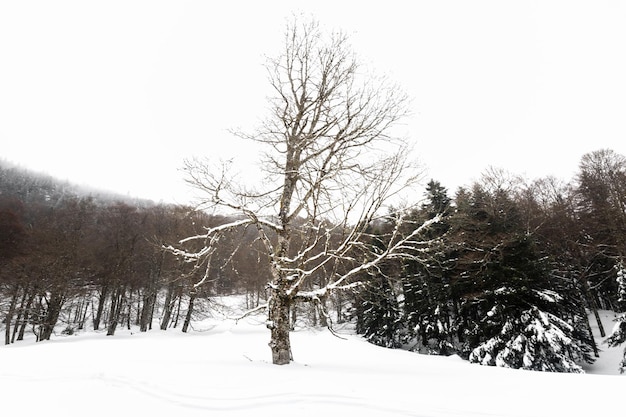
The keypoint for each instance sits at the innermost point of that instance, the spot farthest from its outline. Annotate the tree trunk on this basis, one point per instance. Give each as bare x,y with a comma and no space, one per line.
151,319
598,319
117,302
278,324
52,316
20,315
167,307
313,313
294,317
591,299
25,315
78,310
103,296
83,316
9,317
146,311
128,314
140,299
339,307
180,300
192,298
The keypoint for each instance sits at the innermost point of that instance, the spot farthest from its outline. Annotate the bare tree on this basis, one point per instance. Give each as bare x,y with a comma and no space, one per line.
331,163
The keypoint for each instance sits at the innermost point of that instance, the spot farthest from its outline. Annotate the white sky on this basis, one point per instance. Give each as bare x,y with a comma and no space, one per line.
116,94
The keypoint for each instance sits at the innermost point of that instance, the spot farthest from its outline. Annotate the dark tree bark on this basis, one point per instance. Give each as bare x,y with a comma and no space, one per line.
25,316
117,306
187,323
180,300
20,315
9,316
168,306
104,293
55,304
149,301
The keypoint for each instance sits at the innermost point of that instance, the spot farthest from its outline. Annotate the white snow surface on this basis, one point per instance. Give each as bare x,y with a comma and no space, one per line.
222,368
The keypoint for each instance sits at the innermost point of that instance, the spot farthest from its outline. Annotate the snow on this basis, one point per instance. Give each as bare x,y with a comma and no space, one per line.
608,362
223,367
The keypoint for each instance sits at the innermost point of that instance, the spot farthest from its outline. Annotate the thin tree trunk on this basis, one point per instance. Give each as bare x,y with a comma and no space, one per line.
128,314
167,308
78,311
145,320
25,316
20,315
180,300
591,299
192,298
294,317
313,315
139,308
152,308
112,315
9,316
52,316
117,304
339,307
598,319
104,292
83,315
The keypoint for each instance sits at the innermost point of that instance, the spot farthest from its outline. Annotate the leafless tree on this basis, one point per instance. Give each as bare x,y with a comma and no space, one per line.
331,163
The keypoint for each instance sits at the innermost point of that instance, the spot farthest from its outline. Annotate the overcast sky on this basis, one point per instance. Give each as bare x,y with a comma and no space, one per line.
117,94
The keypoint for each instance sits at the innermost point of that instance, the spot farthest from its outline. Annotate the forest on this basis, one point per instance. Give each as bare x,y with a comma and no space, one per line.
511,272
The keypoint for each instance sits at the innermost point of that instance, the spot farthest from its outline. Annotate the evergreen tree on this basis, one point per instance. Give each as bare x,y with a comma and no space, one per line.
426,285
621,287
378,315
534,340
514,312
618,336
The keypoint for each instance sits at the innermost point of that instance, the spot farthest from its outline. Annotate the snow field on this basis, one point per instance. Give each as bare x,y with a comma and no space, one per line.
222,368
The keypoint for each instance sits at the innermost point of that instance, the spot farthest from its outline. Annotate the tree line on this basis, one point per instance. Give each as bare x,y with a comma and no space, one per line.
509,273
515,269
72,258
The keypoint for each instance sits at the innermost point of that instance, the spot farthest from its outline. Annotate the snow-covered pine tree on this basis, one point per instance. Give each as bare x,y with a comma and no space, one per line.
621,287
379,318
618,335
378,311
526,322
514,311
535,340
426,285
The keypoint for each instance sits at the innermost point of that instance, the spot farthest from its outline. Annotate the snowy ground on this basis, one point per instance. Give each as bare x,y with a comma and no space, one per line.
607,363
222,369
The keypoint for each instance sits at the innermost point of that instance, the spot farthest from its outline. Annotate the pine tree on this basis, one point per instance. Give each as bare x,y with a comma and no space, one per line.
533,340
426,285
514,312
621,287
618,335
378,315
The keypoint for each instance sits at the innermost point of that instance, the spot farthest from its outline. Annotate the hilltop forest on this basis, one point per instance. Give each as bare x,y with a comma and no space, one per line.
511,272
